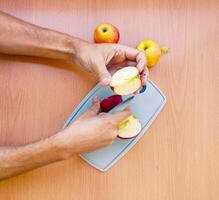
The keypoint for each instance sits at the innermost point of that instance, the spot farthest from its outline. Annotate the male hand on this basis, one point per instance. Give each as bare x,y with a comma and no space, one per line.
105,59
90,131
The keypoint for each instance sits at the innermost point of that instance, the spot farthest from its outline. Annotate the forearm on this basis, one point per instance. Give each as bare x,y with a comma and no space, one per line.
16,160
18,37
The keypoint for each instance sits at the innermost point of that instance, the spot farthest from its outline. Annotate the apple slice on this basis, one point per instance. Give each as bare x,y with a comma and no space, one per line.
126,81
128,88
129,128
110,102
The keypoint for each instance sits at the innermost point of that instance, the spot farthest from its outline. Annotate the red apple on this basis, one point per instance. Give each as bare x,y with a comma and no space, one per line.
106,33
110,102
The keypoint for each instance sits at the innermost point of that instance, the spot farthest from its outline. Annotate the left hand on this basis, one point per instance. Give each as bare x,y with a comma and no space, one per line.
104,59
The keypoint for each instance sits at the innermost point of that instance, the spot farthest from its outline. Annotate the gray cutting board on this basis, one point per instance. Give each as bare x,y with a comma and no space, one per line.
146,106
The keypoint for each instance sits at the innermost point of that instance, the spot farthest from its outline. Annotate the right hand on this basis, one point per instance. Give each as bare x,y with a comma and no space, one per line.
90,131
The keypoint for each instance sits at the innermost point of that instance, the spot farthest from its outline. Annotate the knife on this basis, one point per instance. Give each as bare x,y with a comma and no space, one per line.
122,106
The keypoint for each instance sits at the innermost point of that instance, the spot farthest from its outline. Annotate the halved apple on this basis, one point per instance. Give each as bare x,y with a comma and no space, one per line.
126,81
110,102
129,128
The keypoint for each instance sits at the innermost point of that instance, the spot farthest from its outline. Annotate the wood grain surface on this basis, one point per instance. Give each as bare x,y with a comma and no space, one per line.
178,158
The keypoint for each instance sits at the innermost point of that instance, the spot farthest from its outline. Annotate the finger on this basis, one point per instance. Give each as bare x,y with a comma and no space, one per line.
115,67
122,64
130,53
141,61
103,74
136,55
119,116
143,80
130,63
144,76
94,109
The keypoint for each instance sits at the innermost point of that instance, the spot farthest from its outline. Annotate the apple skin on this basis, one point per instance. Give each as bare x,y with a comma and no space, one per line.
152,51
106,33
122,138
110,102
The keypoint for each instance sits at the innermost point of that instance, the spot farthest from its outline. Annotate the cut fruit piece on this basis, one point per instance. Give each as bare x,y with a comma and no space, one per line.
129,128
126,81
129,87
110,102
124,75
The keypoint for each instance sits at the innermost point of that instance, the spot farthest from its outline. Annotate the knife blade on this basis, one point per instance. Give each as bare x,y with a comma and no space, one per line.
122,106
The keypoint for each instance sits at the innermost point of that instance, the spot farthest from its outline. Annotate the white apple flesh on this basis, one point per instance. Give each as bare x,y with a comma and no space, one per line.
126,81
129,128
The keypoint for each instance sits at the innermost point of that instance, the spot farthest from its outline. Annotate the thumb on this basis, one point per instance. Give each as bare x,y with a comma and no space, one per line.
119,116
103,74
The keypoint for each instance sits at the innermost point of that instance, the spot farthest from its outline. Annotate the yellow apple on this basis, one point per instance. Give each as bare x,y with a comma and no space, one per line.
152,51
106,33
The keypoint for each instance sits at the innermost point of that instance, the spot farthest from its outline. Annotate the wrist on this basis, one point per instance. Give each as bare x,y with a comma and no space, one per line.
74,47
61,146
71,46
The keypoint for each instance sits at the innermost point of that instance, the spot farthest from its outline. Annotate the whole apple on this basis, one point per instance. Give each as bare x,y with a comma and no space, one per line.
106,33
152,51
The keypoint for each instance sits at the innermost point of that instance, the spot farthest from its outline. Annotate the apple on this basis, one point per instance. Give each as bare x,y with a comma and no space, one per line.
110,102
106,33
129,128
152,51
126,81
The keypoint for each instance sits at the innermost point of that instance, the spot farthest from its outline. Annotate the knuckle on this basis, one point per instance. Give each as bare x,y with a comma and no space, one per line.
109,122
103,117
141,54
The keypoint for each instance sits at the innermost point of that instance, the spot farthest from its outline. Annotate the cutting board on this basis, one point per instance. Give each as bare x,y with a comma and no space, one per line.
145,106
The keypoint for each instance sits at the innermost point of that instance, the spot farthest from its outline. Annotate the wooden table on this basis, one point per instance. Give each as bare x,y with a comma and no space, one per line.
177,159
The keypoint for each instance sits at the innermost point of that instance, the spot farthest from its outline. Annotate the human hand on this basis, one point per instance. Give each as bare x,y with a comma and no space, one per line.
104,59
90,131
